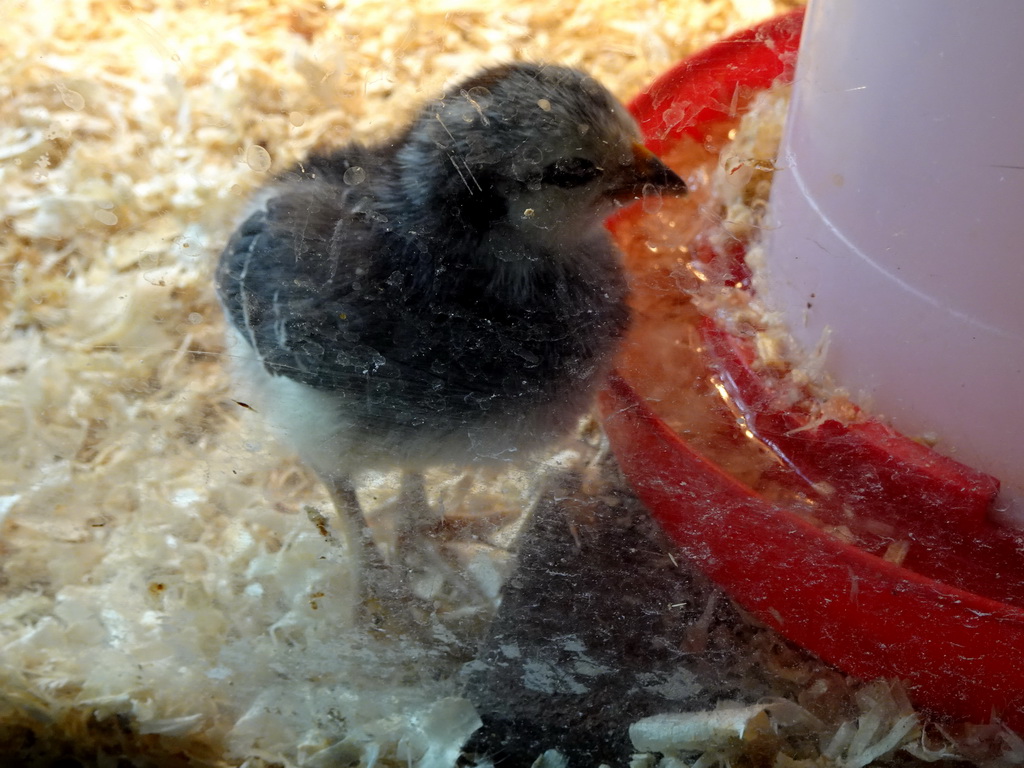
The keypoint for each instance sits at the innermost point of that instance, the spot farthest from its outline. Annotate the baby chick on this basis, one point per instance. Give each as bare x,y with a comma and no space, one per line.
449,296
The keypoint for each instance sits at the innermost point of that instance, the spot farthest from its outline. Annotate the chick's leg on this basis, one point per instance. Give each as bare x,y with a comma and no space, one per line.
384,598
357,532
419,545
417,519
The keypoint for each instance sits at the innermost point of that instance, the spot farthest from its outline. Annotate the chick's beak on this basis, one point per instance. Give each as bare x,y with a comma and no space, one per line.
646,169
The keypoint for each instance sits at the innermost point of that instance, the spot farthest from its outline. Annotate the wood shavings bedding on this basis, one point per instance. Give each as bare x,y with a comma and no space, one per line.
164,596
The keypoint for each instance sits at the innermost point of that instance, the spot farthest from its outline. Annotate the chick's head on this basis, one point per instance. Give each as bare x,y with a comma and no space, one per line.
543,149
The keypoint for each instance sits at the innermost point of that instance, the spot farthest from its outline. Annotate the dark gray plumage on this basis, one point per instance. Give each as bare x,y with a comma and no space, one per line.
449,296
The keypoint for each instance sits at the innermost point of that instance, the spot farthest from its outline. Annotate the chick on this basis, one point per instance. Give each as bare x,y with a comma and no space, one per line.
449,296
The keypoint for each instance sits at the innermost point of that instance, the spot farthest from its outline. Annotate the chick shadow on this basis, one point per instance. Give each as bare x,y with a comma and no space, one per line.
602,623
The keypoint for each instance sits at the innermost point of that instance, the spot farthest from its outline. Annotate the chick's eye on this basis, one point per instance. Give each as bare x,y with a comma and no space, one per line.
570,172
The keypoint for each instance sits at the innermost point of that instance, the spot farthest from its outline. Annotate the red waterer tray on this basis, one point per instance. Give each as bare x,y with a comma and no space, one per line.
949,619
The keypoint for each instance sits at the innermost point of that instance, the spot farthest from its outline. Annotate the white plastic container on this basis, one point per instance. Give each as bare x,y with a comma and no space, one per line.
898,218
